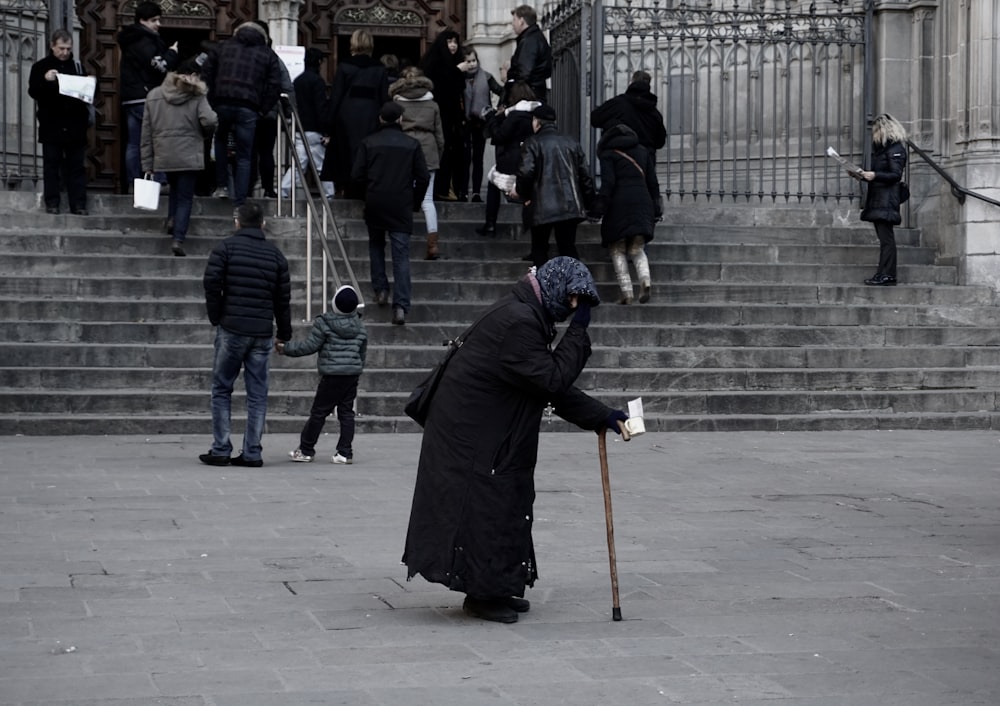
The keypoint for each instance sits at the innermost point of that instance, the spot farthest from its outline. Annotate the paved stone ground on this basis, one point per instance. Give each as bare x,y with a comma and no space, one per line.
823,569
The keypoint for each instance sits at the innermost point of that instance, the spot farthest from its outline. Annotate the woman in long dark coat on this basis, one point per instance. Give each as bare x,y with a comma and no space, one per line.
883,201
470,524
360,87
629,202
443,64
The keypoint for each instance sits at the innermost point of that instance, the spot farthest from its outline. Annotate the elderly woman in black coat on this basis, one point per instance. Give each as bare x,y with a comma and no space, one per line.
470,524
884,193
629,203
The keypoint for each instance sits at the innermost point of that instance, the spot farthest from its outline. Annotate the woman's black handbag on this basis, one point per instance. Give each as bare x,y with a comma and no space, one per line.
904,192
418,405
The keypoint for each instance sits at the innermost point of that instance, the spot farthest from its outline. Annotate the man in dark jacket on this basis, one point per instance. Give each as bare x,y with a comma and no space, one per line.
555,184
145,63
470,521
244,82
62,126
635,108
532,59
247,290
312,104
390,166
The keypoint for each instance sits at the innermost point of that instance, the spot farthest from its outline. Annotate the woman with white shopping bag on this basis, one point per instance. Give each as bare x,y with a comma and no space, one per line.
175,123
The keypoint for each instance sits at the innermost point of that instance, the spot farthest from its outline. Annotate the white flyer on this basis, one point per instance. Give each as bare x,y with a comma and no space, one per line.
79,87
635,424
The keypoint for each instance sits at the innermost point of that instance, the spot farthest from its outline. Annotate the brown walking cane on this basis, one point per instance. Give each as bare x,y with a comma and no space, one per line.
602,448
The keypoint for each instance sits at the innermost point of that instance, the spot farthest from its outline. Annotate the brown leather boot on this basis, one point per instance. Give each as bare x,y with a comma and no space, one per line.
432,247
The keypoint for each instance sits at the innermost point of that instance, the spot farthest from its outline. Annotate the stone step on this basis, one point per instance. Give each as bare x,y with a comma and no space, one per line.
622,334
172,355
655,402
192,311
633,380
91,424
86,266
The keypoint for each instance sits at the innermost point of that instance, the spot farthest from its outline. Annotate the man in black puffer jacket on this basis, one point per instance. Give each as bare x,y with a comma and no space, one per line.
247,289
532,59
145,63
244,82
636,108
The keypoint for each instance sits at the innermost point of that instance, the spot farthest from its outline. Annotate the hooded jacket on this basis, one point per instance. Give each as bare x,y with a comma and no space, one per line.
244,71
629,198
341,341
421,116
637,109
472,512
175,124
883,200
145,62
553,175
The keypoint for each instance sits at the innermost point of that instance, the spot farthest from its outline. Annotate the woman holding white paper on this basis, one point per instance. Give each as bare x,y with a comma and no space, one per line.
884,193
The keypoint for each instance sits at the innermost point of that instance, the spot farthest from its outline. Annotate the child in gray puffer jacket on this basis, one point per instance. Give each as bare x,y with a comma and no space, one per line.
341,340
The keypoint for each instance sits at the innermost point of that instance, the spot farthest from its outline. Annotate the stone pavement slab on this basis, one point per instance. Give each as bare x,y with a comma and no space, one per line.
821,569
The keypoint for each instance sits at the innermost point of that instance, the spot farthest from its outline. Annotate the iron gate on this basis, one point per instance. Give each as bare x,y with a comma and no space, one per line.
752,92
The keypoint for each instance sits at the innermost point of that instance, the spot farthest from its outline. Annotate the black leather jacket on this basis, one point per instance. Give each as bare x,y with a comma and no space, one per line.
532,60
553,175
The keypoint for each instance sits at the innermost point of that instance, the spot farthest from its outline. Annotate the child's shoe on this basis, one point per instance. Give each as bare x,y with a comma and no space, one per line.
299,457
337,458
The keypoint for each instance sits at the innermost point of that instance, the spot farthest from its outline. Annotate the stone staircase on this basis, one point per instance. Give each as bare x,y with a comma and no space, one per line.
759,321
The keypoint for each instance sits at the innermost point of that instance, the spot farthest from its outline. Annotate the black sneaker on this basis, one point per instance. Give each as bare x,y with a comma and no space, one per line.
246,462
211,459
493,609
519,605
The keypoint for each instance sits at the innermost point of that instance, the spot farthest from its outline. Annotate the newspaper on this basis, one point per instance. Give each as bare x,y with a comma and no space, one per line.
852,169
80,87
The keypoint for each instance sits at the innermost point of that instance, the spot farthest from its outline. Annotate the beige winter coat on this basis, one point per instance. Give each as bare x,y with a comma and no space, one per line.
175,124
421,116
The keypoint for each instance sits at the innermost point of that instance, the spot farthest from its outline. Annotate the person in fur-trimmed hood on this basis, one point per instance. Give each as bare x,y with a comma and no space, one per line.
176,120
422,121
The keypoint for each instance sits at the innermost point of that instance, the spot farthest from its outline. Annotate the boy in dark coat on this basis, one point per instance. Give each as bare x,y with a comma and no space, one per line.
470,523
340,338
390,166
629,203
62,126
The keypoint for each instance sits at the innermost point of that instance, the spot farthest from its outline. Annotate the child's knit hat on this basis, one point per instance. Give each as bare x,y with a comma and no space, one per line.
345,300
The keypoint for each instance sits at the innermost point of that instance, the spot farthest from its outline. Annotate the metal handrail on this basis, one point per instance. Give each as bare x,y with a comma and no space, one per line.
319,216
957,190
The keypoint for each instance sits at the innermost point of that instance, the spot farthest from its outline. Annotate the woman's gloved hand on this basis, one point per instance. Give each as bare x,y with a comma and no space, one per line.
582,316
612,421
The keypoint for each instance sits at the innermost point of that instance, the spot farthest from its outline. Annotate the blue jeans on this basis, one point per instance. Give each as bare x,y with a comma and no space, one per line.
400,243
180,200
133,153
243,123
253,355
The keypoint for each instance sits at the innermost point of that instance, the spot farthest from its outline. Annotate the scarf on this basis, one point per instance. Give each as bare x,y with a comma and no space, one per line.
477,94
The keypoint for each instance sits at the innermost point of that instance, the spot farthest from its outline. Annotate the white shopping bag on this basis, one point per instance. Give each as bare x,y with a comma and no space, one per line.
146,194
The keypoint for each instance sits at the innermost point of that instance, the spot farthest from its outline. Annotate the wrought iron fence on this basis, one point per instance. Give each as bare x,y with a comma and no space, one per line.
23,40
752,93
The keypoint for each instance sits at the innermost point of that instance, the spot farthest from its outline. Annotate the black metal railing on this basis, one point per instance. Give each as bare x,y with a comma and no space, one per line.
320,219
957,190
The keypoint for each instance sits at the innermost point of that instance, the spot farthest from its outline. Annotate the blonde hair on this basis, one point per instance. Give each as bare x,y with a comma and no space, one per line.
886,129
362,42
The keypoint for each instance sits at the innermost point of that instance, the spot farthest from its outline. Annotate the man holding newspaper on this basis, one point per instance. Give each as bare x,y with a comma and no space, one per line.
63,117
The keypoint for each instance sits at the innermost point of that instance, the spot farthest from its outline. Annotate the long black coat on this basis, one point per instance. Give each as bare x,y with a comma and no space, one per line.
882,203
629,199
360,87
470,524
61,120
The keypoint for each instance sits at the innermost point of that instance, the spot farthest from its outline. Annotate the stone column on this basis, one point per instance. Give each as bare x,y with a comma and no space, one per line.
282,17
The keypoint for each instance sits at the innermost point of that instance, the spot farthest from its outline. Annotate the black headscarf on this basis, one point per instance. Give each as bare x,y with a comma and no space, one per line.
560,277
